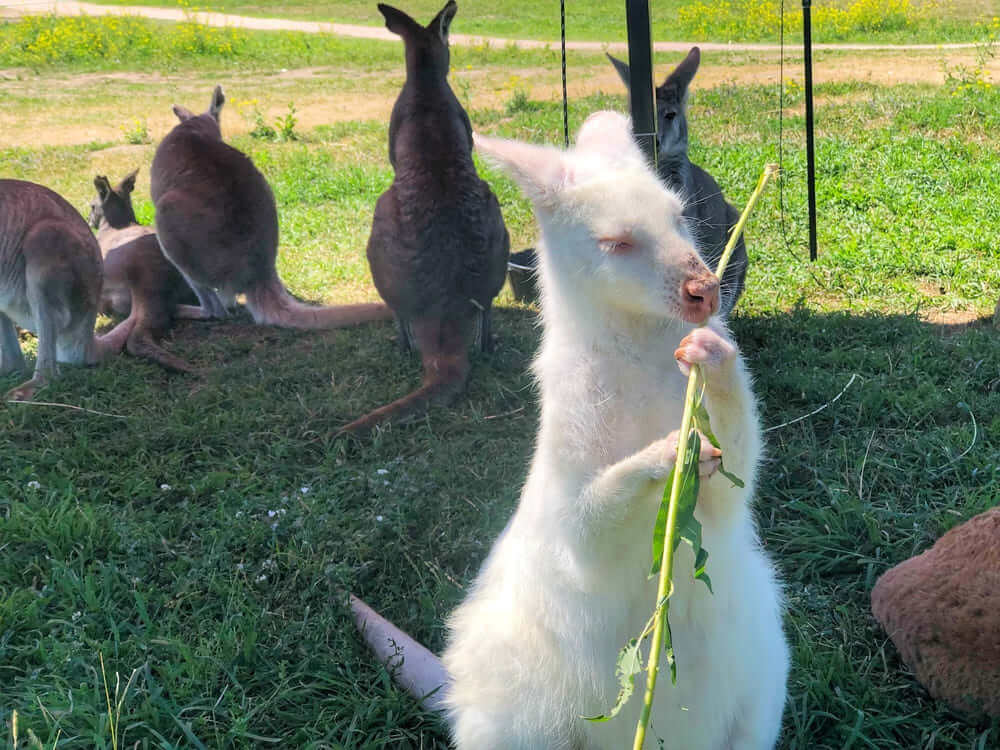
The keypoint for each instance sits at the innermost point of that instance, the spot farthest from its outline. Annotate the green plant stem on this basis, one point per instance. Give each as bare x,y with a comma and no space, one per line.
663,588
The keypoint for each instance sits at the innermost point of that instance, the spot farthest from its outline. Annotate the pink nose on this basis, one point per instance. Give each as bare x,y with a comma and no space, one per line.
700,298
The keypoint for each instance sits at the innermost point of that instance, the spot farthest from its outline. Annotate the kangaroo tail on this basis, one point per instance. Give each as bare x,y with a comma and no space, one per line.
271,304
446,369
141,344
112,343
411,405
416,669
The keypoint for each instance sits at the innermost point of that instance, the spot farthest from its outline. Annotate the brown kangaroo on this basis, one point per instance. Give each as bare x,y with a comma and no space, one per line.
50,283
139,282
216,220
438,248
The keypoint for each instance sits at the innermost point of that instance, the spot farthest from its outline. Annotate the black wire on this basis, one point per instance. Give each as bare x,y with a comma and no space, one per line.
781,123
562,25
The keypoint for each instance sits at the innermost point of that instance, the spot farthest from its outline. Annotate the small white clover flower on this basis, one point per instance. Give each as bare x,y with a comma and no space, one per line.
381,472
305,489
33,485
380,518
166,487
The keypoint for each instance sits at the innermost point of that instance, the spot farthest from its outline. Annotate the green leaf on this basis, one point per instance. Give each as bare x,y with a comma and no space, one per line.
686,499
703,424
629,665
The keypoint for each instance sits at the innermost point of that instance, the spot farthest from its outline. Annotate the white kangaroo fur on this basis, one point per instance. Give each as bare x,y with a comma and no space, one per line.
533,647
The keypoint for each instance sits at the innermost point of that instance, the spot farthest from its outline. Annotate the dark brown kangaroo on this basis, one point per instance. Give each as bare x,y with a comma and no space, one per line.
50,283
139,282
216,220
438,248
707,214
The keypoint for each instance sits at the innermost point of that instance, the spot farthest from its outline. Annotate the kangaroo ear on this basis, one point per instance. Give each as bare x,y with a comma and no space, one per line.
397,21
127,185
442,21
623,71
683,73
103,187
183,113
540,171
218,99
609,134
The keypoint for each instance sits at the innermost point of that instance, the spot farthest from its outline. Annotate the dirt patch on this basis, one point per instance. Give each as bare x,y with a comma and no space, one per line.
322,95
951,322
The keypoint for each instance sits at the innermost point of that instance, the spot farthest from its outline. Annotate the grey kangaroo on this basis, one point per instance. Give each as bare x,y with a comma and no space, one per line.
50,283
139,282
707,214
216,220
438,247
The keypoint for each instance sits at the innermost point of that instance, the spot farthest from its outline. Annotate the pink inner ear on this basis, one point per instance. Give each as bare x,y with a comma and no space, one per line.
540,171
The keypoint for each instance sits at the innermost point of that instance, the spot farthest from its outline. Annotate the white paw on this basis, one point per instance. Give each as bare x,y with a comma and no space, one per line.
662,456
704,346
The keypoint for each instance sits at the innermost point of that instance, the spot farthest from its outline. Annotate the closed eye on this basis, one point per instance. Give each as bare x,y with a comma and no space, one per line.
616,245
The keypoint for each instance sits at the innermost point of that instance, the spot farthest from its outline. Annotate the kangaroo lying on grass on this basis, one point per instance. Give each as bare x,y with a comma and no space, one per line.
709,217
534,646
139,282
216,220
438,248
50,283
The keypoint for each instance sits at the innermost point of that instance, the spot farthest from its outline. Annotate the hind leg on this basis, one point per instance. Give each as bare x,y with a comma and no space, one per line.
484,330
211,305
405,331
45,365
209,299
11,358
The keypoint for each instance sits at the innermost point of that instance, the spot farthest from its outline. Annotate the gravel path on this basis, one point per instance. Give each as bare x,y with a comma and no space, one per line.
72,8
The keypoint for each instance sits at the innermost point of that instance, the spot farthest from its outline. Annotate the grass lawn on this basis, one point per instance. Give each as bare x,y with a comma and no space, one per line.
673,20
197,536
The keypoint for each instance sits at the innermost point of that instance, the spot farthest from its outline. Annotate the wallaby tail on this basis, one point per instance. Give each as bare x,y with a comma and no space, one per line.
112,343
413,667
410,405
271,304
142,344
446,369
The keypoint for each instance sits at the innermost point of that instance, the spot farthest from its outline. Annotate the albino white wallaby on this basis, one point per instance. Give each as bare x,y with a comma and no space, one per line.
217,222
438,248
139,282
708,215
50,283
534,646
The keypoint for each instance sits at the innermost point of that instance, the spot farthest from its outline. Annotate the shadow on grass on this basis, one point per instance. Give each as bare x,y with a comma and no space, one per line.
207,538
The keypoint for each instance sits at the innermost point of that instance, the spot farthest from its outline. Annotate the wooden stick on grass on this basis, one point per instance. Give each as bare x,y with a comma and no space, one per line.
664,587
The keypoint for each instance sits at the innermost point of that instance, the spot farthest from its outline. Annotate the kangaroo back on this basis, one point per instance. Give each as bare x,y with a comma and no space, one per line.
438,247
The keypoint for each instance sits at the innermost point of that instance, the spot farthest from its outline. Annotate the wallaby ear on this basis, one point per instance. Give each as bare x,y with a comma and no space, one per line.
218,99
397,21
609,134
540,171
683,73
127,185
103,187
183,113
623,71
442,21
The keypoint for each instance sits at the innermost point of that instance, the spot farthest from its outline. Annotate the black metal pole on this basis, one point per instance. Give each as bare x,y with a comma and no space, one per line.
810,148
642,101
